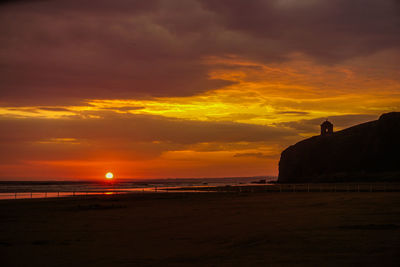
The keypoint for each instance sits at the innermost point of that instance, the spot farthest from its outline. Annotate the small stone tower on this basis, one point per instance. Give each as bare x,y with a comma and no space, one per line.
326,128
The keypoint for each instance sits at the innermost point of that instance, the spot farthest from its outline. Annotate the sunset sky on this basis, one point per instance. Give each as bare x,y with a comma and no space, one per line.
185,88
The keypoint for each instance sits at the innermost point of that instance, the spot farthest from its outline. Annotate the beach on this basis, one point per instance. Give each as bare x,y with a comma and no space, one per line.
203,229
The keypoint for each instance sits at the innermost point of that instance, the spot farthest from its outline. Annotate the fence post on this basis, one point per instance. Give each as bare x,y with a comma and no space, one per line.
15,195
31,194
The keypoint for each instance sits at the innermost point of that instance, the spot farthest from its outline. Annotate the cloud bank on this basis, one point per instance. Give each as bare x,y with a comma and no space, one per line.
72,50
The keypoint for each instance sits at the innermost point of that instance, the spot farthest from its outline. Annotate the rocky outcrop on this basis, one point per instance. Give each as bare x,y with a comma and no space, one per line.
365,152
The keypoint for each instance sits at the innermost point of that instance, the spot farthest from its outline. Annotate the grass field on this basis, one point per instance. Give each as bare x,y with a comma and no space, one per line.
204,229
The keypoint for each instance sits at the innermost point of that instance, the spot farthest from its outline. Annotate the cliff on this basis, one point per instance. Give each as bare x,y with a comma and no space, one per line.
365,152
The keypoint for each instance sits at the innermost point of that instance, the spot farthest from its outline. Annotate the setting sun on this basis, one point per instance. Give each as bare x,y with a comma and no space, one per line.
109,175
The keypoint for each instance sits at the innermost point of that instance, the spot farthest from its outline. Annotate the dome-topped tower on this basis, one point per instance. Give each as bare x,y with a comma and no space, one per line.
326,128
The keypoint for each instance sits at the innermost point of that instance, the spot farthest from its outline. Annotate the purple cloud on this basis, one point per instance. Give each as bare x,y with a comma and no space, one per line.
66,51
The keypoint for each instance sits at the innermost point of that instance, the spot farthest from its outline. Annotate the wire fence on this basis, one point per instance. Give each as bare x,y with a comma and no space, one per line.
272,188
34,194
311,187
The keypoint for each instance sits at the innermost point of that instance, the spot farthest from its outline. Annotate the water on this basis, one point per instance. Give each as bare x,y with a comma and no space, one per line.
53,189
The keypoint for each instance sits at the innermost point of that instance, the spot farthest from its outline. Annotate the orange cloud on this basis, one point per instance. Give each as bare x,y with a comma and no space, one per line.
236,130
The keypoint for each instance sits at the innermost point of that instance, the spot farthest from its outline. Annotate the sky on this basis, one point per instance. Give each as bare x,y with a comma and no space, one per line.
185,88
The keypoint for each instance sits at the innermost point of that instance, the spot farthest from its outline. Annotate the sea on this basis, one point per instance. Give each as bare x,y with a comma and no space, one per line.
55,189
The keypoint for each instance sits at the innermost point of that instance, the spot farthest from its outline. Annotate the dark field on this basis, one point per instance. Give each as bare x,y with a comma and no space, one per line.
205,229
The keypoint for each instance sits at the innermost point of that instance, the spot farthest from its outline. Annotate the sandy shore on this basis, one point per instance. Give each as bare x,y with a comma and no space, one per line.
205,229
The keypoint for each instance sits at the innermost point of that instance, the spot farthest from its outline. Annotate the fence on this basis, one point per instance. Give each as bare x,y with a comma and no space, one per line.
312,187
294,188
27,195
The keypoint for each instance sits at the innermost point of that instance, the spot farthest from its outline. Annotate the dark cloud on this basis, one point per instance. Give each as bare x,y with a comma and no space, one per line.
292,112
49,52
128,137
126,108
54,109
327,30
255,155
137,128
339,122
5,2
82,150
66,51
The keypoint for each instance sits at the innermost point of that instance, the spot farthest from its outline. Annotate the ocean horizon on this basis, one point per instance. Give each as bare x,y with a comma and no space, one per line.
62,188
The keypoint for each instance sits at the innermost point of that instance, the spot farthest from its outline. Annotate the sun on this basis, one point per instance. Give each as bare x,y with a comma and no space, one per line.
109,175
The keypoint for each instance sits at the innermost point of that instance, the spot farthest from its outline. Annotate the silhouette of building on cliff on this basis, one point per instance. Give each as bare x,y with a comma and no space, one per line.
326,128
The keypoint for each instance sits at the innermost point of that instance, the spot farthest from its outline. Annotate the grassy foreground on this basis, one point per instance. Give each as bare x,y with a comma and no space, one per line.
204,229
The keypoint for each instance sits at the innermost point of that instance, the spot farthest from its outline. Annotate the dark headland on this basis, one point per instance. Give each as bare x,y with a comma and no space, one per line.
365,152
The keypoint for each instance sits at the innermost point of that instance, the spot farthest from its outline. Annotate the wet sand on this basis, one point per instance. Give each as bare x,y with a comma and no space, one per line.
203,229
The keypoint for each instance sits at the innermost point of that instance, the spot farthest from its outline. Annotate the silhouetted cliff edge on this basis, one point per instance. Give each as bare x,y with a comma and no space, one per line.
365,152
